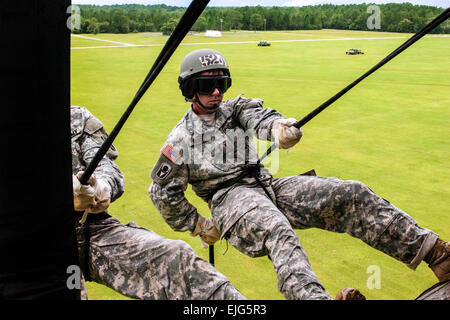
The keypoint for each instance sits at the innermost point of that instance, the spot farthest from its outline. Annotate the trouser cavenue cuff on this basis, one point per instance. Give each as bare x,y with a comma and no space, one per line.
427,245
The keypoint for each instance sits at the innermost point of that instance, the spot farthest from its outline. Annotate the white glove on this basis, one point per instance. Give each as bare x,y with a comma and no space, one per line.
83,195
94,197
285,134
207,231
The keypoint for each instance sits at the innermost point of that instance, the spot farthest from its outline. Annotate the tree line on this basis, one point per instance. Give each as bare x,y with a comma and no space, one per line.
128,18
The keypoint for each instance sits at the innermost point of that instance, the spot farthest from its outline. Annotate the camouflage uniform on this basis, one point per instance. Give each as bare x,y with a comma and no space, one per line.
259,221
127,258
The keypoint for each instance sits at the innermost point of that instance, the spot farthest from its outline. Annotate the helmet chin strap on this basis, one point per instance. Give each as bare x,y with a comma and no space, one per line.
197,100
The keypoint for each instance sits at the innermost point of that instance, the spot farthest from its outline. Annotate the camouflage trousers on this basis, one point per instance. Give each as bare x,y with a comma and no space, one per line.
299,202
141,264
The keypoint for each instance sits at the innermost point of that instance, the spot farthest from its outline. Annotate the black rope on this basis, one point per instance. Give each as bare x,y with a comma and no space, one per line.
184,25
186,22
87,237
211,255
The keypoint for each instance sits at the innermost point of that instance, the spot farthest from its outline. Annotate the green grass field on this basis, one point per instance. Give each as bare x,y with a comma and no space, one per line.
391,132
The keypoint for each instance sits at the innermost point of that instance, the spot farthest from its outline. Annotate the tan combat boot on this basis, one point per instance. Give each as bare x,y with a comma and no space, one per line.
438,260
349,294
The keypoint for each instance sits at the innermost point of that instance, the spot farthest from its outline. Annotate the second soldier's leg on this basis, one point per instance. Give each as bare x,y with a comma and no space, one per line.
144,265
351,207
226,292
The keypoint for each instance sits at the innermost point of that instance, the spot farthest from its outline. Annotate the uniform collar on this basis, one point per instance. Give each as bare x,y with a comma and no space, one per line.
196,125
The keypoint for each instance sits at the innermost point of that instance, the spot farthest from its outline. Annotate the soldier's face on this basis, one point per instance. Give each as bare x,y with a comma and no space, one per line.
215,98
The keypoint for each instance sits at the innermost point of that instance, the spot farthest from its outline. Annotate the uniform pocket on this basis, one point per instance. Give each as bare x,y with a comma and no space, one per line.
248,236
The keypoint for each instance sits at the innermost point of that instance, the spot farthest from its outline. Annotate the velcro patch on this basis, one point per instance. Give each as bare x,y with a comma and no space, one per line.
170,153
212,59
163,171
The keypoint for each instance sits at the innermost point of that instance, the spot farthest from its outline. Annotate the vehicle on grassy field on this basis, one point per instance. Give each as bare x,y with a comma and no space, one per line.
354,51
263,43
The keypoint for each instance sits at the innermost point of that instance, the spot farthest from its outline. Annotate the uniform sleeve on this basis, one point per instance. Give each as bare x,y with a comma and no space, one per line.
252,115
107,170
167,190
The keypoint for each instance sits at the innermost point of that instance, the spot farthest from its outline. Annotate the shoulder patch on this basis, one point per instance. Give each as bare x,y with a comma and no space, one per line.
93,125
163,170
170,153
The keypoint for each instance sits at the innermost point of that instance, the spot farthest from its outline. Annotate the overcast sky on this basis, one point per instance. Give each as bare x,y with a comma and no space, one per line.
241,3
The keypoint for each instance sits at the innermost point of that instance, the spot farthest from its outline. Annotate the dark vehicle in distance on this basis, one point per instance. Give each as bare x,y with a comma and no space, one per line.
264,43
354,51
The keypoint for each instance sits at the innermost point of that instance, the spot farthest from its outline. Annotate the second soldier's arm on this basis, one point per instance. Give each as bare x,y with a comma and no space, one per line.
107,170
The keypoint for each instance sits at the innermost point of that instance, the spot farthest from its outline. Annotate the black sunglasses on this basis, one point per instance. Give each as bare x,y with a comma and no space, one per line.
206,85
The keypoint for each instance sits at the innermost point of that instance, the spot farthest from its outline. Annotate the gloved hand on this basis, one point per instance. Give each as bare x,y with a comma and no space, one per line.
207,231
94,197
83,195
285,134
349,294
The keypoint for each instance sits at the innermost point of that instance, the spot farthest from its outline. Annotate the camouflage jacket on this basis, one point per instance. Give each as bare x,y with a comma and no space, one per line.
209,157
87,135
